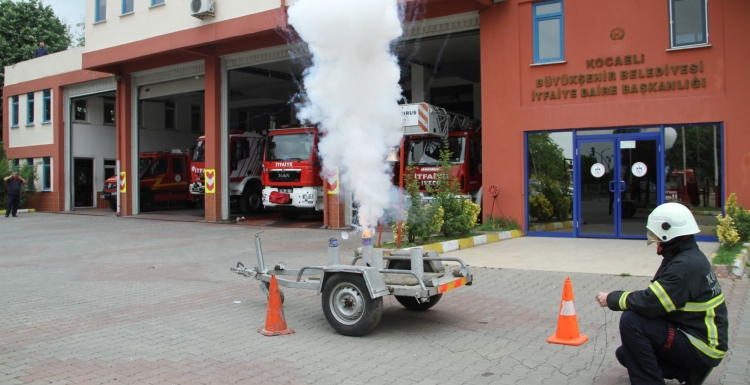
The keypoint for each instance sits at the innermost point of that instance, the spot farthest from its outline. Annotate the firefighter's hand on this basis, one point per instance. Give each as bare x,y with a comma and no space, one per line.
602,299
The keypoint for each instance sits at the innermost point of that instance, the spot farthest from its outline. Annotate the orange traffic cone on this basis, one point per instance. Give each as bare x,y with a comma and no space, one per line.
275,321
567,322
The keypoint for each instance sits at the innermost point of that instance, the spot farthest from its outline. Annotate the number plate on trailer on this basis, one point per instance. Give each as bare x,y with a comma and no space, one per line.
286,190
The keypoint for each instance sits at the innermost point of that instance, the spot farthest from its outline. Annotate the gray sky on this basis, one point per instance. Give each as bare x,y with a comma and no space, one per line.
69,11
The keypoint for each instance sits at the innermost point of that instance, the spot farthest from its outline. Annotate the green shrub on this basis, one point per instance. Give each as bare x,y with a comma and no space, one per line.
540,208
459,214
561,204
740,217
726,255
499,224
420,221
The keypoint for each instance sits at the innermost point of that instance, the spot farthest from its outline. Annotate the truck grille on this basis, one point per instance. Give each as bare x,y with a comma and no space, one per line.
284,176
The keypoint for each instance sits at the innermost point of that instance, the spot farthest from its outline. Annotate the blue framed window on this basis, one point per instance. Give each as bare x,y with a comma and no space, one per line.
46,175
156,2
127,6
30,108
548,32
46,106
14,111
30,162
100,10
689,21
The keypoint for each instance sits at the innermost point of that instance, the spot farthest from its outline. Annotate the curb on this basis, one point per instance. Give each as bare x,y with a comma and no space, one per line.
552,226
465,243
20,211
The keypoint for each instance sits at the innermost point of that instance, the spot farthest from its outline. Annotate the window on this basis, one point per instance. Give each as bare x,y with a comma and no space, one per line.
109,168
46,106
160,167
15,164
29,108
109,112
100,10
196,123
689,22
548,32
46,175
156,2
79,110
127,6
549,180
178,165
169,115
14,111
30,161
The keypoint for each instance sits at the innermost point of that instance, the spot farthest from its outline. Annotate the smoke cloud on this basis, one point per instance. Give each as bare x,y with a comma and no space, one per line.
352,93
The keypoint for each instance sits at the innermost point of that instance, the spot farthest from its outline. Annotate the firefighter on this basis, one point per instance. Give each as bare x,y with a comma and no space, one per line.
677,327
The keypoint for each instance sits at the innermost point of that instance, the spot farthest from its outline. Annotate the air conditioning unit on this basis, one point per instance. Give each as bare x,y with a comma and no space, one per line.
202,8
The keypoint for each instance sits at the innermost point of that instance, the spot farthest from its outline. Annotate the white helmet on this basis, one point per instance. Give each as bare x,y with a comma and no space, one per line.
669,221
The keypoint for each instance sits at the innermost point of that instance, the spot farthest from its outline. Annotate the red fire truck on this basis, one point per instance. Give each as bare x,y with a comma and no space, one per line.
244,163
163,178
425,126
291,171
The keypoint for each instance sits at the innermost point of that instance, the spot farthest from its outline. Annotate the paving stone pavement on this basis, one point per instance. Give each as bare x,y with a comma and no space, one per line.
101,300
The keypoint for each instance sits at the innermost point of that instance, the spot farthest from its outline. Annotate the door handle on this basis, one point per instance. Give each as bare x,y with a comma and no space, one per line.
622,186
611,186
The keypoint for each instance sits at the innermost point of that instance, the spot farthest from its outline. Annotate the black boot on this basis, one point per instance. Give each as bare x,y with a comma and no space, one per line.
696,377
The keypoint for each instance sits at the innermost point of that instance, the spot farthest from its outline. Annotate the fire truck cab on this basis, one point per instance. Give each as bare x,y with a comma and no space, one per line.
425,127
164,177
291,171
245,166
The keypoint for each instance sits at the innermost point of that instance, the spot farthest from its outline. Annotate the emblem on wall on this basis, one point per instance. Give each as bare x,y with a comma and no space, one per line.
617,34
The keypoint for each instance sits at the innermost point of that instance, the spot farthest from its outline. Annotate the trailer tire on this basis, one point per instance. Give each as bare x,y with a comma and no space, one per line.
348,306
113,204
411,303
252,200
289,215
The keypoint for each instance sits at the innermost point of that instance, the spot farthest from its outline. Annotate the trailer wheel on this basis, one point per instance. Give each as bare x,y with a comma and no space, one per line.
113,204
348,307
411,303
251,201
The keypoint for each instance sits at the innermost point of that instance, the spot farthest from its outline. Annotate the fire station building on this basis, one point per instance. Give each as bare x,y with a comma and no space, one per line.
592,112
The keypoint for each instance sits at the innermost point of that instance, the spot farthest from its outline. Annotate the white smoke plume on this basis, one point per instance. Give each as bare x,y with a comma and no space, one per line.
352,92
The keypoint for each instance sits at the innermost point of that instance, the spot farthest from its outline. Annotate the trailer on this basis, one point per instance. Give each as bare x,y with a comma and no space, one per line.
352,295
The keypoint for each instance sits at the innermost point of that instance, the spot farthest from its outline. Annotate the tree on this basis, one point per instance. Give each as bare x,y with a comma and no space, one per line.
546,159
23,24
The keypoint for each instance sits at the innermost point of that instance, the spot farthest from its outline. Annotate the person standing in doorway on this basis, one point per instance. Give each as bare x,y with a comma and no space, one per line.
15,182
41,51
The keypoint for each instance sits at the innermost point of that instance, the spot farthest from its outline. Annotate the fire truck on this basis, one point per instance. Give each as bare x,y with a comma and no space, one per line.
244,179
425,126
291,171
163,178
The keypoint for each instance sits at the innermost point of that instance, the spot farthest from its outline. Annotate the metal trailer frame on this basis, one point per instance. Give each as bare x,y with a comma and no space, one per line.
414,288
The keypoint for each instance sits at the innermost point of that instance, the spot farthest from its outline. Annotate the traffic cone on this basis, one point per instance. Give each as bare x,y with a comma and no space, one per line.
567,322
275,321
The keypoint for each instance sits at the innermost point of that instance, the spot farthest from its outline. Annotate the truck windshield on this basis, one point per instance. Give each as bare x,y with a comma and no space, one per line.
200,152
289,147
426,151
143,164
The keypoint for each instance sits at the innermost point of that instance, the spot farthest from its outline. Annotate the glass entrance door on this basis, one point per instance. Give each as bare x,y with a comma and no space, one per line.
618,185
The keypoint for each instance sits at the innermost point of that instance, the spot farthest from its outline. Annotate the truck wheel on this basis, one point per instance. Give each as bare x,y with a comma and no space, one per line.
113,204
411,303
348,307
289,214
252,200
147,201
